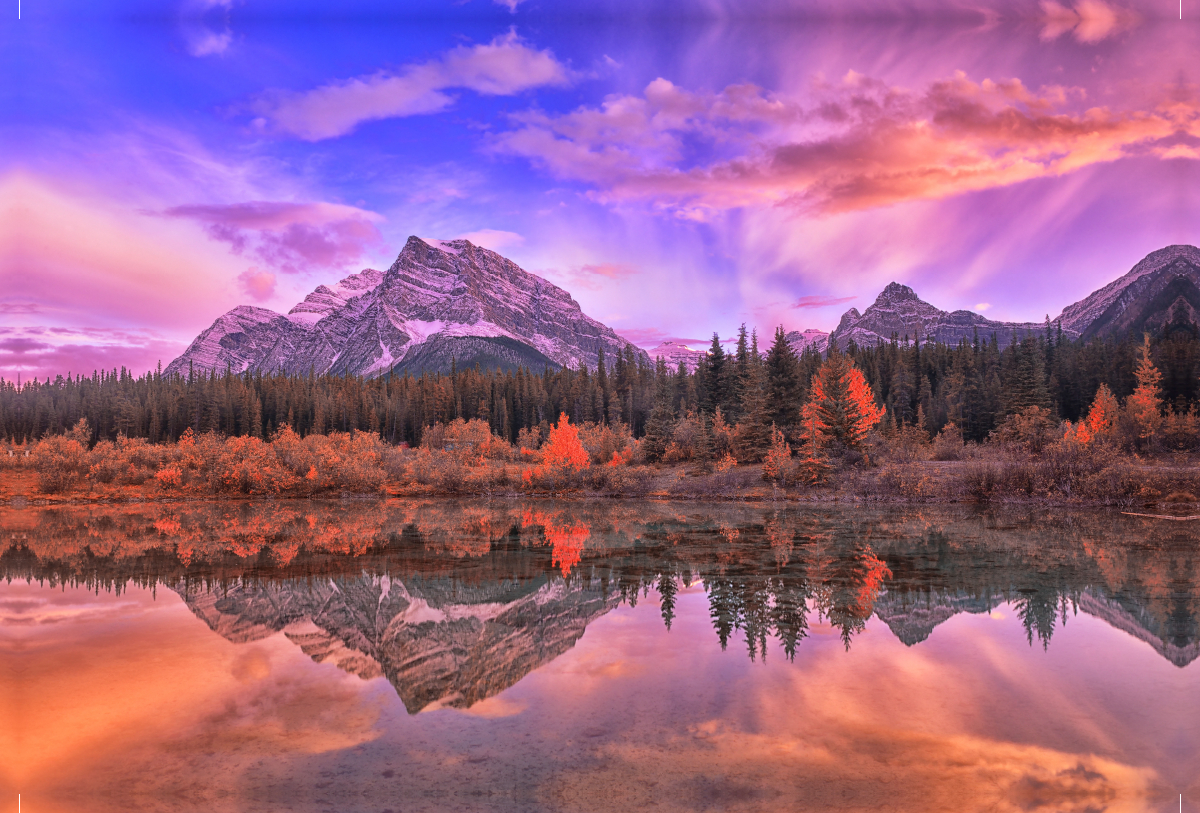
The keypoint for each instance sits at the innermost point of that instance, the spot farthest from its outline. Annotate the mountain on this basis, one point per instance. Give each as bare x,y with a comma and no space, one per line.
899,311
674,352
811,338
439,642
441,300
1164,286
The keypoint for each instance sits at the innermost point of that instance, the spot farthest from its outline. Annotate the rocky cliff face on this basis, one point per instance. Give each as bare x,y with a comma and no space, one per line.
899,311
440,300
1163,287
438,642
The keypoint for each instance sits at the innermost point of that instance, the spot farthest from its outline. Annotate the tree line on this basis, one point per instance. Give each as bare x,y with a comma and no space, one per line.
974,384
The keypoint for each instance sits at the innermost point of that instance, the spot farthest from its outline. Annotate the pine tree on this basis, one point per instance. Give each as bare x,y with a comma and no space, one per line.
783,382
667,588
716,377
754,429
661,423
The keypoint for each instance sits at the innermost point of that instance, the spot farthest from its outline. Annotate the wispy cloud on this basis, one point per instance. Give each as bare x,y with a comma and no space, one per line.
201,37
853,144
290,237
505,66
1090,20
495,239
594,276
42,352
820,301
652,337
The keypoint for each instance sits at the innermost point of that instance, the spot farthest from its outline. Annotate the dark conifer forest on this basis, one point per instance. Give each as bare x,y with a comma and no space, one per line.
974,385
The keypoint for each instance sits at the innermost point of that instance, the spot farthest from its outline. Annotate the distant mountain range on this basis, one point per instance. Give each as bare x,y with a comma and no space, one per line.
445,302
1165,285
441,302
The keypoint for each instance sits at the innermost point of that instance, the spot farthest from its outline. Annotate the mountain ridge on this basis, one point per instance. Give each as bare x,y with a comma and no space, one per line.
441,302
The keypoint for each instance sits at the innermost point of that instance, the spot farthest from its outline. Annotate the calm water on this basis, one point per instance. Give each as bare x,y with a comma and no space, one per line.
431,656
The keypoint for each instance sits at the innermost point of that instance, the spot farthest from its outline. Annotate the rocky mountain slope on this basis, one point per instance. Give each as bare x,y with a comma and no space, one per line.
1163,286
440,300
810,338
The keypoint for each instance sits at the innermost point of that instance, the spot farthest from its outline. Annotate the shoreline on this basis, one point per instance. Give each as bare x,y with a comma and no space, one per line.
909,484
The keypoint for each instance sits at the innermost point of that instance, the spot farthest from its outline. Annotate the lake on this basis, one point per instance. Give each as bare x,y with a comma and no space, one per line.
457,655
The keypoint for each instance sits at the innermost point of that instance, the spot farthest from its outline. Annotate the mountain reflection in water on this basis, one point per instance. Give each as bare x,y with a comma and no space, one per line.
469,605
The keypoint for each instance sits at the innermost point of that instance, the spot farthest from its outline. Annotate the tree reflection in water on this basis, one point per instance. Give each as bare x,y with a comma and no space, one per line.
534,575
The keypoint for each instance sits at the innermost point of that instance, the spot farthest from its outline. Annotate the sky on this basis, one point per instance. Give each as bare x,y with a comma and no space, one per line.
680,167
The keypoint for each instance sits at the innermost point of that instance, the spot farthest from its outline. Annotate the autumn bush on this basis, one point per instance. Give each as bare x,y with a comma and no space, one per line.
563,460
603,441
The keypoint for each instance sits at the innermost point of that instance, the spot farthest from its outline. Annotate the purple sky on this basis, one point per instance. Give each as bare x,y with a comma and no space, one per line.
679,167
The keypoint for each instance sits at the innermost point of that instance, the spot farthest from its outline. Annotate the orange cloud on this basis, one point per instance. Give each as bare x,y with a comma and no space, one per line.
856,144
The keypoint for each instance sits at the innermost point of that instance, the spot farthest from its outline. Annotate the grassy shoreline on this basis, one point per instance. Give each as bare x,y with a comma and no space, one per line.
1134,483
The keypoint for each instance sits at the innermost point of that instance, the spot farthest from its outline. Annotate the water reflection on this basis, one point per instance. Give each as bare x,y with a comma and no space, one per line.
735,657
454,602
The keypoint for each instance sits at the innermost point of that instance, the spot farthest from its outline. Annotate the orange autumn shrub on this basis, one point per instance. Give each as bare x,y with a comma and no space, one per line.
60,462
777,464
1102,419
563,459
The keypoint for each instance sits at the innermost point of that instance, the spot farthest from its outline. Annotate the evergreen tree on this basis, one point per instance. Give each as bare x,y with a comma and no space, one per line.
783,383
754,429
661,423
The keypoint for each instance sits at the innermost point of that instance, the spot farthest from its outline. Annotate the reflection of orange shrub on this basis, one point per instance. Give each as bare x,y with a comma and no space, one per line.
565,538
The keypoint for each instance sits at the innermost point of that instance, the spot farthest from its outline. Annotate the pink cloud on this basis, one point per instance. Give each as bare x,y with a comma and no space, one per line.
601,275
502,67
291,237
854,144
495,239
652,337
19,307
820,301
43,353
1091,20
119,267
256,284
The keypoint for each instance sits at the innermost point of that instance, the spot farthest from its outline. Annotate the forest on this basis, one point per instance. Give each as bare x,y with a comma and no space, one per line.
1079,413
973,385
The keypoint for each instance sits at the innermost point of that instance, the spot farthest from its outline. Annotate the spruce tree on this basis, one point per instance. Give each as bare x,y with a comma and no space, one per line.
661,423
716,378
754,428
783,383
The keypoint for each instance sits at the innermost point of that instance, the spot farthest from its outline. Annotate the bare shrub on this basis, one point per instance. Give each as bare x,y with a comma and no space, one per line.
981,482
948,445
602,442
1029,430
